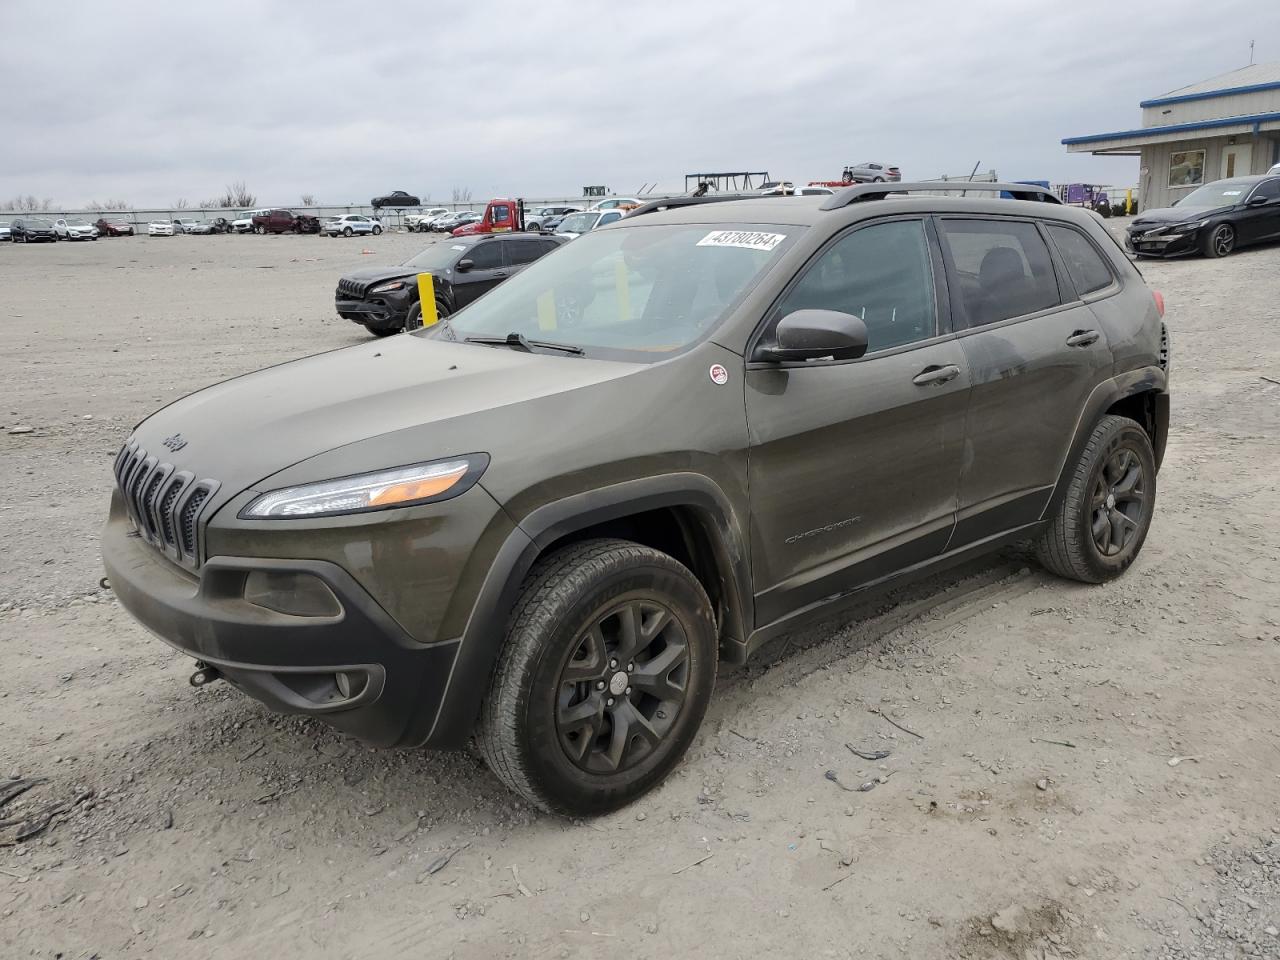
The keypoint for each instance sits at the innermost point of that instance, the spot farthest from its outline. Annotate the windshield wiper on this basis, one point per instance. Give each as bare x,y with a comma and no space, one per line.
517,341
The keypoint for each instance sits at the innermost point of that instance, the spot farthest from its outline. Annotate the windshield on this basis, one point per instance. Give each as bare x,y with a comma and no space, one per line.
578,222
436,256
1224,193
634,293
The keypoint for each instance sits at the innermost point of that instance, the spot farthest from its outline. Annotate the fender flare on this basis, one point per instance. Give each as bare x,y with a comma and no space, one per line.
1142,380
486,628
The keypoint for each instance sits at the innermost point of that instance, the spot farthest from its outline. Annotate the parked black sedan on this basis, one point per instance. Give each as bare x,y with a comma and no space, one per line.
385,299
396,198
32,230
1214,219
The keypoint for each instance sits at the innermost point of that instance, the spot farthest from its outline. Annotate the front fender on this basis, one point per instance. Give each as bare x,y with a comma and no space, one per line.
486,627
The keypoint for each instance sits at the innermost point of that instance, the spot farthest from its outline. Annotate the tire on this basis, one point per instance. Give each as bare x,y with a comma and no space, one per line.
570,597
1091,512
347,232
877,179
376,231
413,319
377,332
1219,242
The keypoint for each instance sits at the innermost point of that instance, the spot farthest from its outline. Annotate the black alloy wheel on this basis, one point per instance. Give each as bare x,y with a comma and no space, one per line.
1117,501
622,687
1221,241
607,672
1102,519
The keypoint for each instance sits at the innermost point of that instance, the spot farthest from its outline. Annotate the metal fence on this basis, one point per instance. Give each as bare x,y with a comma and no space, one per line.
390,216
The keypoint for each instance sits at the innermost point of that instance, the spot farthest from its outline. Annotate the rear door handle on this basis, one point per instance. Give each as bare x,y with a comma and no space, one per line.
1082,338
930,376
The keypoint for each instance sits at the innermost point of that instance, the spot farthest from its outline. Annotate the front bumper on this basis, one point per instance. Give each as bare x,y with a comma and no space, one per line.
1149,243
289,663
385,311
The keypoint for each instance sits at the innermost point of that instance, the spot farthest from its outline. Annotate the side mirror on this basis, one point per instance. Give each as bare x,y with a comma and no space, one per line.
812,334
465,264
1256,201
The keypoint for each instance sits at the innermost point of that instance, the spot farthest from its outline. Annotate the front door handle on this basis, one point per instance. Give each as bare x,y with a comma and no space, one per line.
931,376
1082,338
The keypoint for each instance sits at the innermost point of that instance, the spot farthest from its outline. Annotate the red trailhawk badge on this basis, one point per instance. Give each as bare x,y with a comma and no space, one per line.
719,374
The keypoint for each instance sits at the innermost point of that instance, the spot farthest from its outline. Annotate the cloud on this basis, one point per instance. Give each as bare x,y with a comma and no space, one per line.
151,101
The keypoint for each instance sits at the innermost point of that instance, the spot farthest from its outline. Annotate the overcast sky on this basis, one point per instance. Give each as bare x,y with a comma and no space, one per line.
154,101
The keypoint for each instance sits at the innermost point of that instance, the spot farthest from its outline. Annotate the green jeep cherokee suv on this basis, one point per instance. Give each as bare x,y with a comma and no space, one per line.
541,522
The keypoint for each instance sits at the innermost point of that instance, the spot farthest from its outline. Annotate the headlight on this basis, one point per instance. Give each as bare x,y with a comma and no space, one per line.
388,287
1190,227
399,487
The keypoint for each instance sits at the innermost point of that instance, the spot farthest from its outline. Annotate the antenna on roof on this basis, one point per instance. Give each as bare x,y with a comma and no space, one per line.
1251,53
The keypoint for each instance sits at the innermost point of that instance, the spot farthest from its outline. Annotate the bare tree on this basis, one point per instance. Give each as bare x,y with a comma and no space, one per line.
308,199
238,195
99,205
182,203
211,204
46,204
461,194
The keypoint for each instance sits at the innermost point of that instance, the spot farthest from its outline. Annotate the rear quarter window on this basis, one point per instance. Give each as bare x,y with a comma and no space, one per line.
1086,267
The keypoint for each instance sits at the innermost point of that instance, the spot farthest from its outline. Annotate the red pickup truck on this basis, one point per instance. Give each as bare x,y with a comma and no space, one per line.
502,215
285,221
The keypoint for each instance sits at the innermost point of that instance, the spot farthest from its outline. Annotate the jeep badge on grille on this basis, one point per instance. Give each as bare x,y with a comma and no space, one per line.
174,443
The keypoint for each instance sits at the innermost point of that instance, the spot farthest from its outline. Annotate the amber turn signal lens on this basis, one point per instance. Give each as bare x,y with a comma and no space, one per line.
416,489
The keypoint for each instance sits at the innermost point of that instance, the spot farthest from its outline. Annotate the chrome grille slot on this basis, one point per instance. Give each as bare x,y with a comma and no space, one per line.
164,505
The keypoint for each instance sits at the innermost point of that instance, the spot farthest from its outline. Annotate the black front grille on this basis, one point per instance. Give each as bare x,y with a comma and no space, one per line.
164,504
350,289
1164,347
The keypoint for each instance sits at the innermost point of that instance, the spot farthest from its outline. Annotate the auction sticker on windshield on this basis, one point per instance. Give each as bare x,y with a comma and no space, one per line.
747,239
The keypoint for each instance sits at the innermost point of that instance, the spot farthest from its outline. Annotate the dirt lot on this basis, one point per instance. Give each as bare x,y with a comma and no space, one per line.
1092,771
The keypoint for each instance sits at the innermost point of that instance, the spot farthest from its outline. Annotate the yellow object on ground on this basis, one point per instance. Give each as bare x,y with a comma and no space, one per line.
427,297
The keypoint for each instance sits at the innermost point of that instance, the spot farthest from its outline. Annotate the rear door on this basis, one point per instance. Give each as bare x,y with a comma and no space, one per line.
1035,351
488,269
854,464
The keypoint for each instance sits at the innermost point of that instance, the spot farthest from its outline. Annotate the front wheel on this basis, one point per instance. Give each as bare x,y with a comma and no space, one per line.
605,676
376,231
1102,521
413,319
1220,241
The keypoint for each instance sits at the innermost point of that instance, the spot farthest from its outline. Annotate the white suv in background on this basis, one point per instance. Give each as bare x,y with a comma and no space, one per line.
350,224
421,222
244,223
73,228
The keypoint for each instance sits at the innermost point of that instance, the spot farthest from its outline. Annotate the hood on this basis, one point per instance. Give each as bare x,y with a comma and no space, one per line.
1176,215
467,229
243,431
370,275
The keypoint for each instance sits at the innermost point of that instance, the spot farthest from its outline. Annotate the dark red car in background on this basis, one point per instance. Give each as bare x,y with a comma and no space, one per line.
114,227
285,221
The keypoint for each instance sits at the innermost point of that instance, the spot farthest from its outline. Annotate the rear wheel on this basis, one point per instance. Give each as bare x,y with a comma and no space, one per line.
1220,241
1103,519
607,671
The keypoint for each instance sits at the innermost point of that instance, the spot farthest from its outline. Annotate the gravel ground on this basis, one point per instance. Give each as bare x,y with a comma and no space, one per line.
1096,771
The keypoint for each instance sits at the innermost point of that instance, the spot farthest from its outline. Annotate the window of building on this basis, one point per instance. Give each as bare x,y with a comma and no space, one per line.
1186,168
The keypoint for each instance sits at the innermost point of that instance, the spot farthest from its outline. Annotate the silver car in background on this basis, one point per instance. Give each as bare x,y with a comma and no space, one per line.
871,172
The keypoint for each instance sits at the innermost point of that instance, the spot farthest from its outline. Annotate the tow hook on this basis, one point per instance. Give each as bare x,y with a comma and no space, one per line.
204,675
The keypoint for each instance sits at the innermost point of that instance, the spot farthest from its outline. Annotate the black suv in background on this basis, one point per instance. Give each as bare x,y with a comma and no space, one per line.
32,230
544,520
385,299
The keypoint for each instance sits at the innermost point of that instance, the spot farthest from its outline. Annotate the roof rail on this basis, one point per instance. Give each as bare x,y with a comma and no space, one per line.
879,191
670,203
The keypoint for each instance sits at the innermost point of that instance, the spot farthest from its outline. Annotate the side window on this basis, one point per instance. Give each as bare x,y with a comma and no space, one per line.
1002,266
520,252
486,256
500,214
1085,265
1269,189
881,273
609,217
547,246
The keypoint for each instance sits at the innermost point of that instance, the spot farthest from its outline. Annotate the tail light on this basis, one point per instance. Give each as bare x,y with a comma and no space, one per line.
1158,297
894,170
